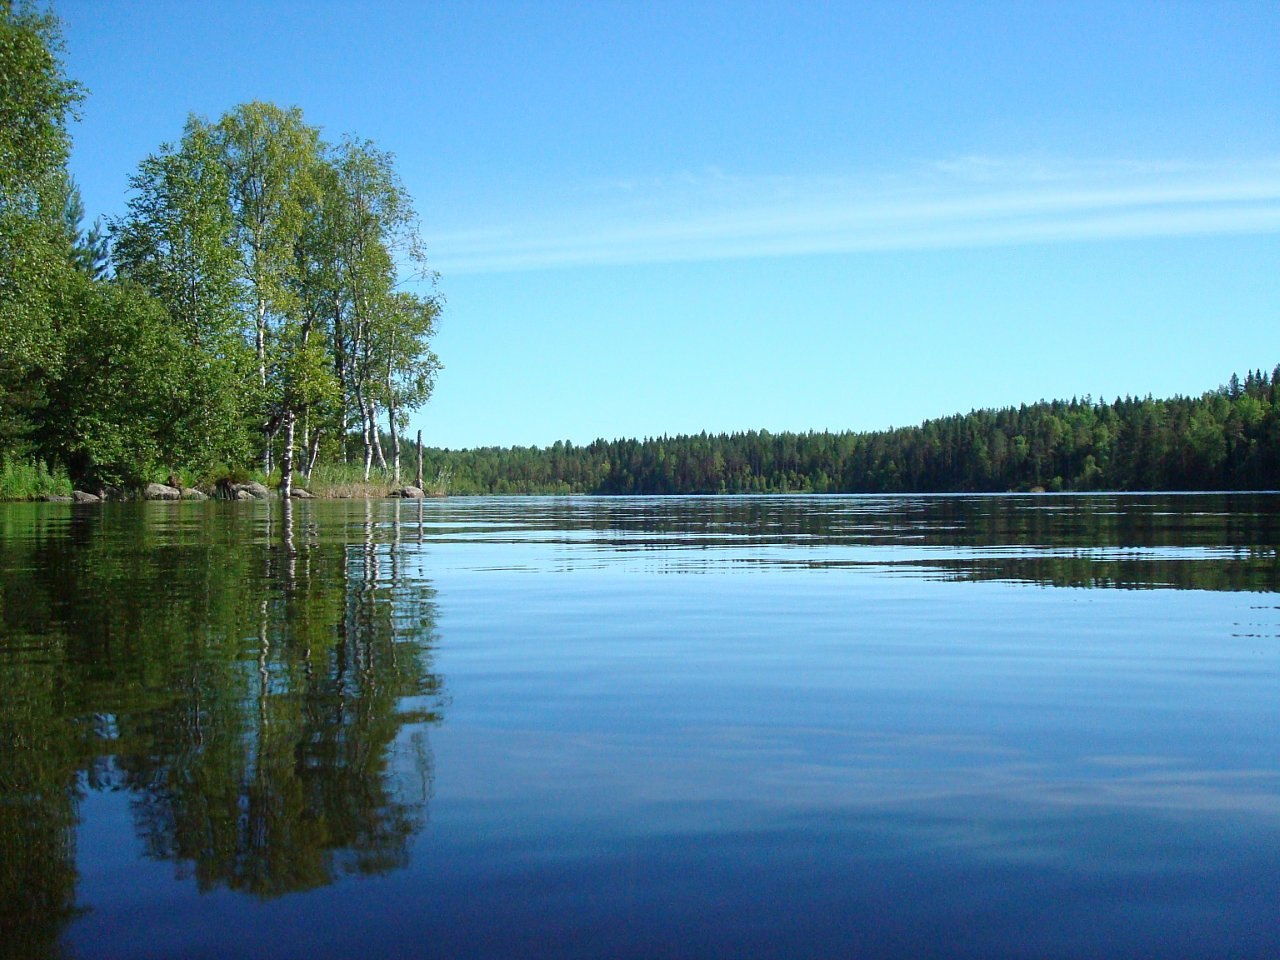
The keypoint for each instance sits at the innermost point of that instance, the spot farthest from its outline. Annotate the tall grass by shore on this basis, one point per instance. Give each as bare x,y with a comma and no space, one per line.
32,480
347,480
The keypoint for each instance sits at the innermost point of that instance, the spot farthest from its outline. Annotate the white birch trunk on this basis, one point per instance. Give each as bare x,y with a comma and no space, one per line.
395,443
377,438
393,427
286,461
364,432
313,453
261,344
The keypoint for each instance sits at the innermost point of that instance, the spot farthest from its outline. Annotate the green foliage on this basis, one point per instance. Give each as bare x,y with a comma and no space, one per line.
31,480
269,155
88,247
346,480
36,101
403,338
134,659
111,409
253,289
176,240
379,337
221,472
1226,439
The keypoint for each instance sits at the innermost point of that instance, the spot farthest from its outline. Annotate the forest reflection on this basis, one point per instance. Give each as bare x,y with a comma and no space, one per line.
260,690
258,679
1228,542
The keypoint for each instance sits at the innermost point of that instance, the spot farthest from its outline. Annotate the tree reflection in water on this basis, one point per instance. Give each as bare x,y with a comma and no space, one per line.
261,691
258,677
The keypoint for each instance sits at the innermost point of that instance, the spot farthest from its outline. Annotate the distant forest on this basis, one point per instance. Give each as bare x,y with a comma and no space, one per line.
1226,439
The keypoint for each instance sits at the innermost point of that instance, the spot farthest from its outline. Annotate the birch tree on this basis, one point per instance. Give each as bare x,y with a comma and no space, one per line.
374,223
270,156
176,241
408,366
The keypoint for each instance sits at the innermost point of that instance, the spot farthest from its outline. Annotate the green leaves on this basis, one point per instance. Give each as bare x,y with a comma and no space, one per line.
270,156
1226,439
402,332
36,100
255,275
110,409
177,239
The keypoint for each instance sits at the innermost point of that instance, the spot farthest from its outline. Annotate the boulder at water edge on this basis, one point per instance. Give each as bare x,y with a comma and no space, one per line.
159,491
227,490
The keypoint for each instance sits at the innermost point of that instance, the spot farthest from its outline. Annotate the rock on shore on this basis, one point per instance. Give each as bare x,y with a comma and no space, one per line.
242,491
159,491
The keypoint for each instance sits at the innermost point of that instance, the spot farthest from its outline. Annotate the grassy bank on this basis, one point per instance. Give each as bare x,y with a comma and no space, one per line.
347,480
32,481
22,480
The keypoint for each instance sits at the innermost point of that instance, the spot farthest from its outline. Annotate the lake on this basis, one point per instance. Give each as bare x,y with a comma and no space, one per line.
961,727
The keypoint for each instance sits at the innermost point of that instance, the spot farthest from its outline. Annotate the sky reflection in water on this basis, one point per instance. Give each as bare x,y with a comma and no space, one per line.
747,727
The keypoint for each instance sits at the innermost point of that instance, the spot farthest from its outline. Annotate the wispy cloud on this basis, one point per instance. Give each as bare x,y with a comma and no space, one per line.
956,203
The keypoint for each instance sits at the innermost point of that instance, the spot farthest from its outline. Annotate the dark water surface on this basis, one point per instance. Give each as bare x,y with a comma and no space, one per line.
695,727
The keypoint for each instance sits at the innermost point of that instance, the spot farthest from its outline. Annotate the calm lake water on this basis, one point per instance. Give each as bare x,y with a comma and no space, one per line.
693,727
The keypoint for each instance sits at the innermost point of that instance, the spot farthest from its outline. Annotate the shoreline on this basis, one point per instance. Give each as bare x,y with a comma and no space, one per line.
196,495
228,492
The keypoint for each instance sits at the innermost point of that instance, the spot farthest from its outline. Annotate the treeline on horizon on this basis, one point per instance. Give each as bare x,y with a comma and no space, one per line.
1227,439
247,311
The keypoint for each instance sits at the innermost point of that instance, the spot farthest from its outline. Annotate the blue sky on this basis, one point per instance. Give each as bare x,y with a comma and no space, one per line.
659,218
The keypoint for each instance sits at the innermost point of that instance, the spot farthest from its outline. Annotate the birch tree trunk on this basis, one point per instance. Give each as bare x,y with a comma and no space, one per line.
395,442
260,340
313,452
342,374
286,460
364,431
377,438
393,426
261,344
